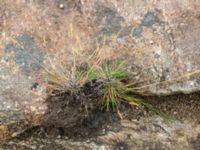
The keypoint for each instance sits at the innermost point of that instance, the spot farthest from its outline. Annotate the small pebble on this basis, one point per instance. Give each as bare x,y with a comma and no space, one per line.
61,6
151,42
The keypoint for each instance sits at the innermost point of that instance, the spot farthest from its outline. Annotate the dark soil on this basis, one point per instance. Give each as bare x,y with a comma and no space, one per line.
78,115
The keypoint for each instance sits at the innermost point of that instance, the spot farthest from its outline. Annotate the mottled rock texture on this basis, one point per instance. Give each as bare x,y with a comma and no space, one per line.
159,38
159,35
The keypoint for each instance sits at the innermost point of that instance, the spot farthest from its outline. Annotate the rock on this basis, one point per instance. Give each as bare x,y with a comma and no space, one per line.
26,54
159,38
152,134
61,6
164,40
21,107
147,133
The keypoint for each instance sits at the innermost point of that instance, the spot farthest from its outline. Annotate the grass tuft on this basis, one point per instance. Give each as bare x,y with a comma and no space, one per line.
117,88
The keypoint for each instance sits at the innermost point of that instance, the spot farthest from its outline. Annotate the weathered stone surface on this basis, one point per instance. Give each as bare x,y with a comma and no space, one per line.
21,101
159,37
164,38
152,133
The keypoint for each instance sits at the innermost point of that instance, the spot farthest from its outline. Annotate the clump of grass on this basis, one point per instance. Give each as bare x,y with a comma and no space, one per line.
114,88
117,88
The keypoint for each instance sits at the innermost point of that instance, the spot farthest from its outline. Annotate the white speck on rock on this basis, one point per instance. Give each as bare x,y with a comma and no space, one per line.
61,6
